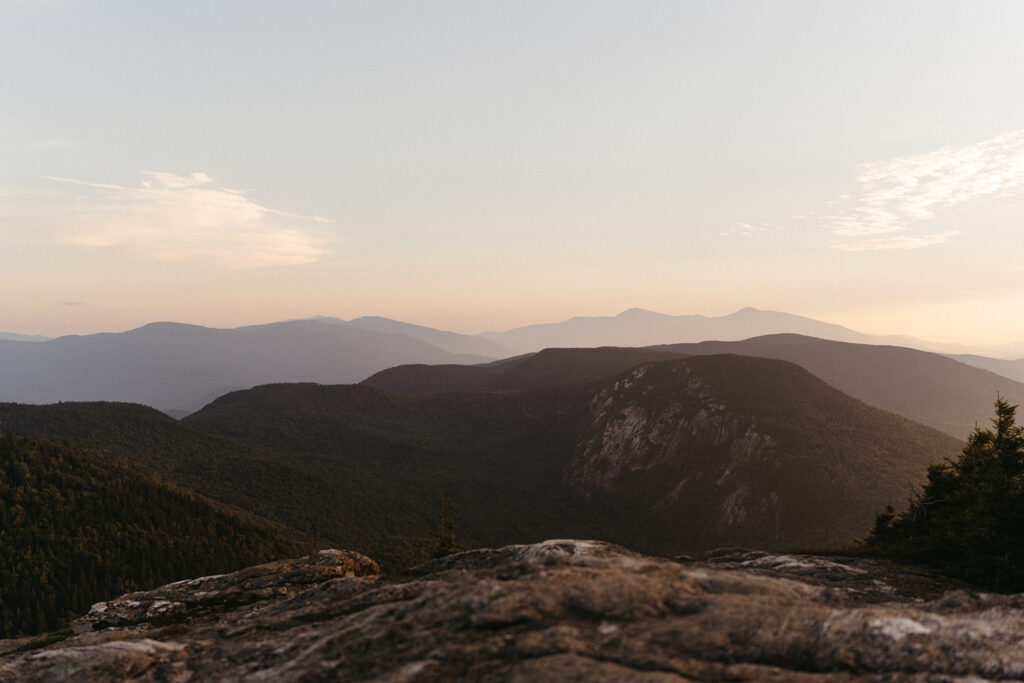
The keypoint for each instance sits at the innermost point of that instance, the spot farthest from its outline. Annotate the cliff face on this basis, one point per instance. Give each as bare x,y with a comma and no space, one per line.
683,451
727,450
557,610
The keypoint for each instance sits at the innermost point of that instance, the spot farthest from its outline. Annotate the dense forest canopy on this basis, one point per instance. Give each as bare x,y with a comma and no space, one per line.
78,526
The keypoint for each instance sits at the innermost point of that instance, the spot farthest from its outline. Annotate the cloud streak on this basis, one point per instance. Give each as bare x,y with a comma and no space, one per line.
898,242
171,217
898,194
745,230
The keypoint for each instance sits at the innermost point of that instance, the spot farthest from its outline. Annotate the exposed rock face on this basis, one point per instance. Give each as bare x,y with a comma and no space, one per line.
636,432
676,448
558,610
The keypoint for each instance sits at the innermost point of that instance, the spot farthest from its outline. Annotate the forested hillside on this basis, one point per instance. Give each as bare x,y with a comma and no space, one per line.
78,526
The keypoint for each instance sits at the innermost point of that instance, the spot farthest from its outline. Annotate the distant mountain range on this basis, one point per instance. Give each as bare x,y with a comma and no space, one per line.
637,327
178,368
1014,369
11,336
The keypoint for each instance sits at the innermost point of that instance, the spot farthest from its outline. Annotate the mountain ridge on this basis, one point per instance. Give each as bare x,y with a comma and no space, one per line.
516,463
927,387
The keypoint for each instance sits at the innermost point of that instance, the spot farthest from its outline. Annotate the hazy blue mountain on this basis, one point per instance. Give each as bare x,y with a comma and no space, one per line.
927,387
449,341
179,368
14,336
637,327
1014,369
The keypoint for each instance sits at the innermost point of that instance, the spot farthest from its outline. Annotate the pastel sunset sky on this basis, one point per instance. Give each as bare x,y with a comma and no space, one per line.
475,165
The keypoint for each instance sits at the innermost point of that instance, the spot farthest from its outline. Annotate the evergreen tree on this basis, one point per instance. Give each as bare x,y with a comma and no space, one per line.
447,542
969,519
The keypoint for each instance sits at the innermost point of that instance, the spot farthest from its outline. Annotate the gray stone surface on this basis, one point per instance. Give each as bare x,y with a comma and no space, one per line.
558,611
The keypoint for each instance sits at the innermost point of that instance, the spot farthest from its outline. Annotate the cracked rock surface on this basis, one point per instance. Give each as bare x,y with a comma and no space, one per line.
559,610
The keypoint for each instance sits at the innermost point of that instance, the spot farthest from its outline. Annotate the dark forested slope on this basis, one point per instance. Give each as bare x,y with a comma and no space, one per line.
689,454
78,526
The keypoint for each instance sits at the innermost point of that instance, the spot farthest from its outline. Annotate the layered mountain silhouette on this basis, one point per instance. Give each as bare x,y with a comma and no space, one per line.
179,368
668,456
1014,369
927,387
638,327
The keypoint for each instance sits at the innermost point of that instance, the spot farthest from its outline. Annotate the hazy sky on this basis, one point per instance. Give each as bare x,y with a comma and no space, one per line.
480,165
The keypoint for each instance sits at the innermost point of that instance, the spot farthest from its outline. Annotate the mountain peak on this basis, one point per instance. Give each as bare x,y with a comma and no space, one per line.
750,310
638,312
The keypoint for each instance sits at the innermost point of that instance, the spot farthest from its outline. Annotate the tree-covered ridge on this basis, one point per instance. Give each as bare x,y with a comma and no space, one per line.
362,469
967,521
78,526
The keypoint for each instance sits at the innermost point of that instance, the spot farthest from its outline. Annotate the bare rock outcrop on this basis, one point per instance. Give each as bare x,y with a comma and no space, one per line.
557,610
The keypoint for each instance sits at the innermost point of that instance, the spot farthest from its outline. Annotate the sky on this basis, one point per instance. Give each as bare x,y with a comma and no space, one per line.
476,165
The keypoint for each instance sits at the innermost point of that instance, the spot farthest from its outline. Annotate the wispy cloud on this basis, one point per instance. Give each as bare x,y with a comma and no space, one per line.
901,194
898,242
745,230
173,217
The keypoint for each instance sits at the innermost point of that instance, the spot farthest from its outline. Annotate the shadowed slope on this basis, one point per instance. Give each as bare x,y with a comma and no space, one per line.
926,387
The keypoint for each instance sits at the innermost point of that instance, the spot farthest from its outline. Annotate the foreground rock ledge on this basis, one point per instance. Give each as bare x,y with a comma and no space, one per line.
557,610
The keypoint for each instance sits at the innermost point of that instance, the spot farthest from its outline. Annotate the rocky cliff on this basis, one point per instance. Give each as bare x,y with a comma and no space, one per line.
729,450
557,610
